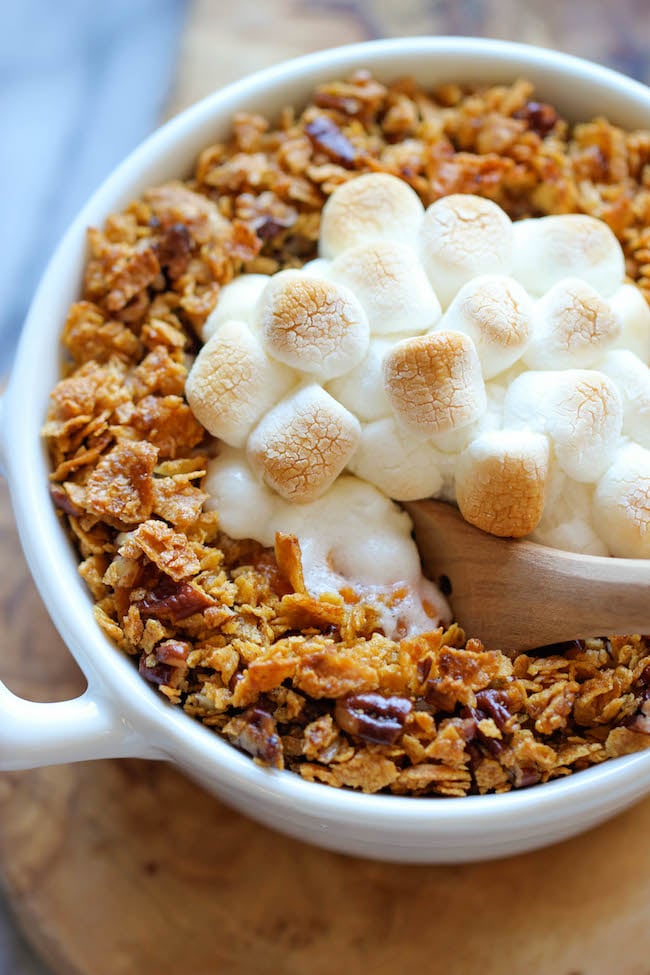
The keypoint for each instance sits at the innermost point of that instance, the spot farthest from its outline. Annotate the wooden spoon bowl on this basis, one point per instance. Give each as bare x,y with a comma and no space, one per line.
516,595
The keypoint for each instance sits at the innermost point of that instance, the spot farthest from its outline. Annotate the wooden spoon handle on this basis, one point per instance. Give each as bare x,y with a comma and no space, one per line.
514,594
598,596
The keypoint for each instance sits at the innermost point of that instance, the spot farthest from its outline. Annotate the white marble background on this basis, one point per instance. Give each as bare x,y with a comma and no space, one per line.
81,83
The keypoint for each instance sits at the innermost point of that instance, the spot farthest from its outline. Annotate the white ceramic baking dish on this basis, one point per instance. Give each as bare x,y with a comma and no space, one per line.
119,714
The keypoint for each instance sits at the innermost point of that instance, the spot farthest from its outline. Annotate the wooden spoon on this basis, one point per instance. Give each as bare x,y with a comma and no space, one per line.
515,595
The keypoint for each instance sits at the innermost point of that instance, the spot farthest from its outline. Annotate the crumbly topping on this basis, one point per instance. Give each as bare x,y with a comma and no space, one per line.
225,629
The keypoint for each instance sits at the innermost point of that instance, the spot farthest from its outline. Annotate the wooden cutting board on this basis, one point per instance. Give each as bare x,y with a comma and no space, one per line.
127,868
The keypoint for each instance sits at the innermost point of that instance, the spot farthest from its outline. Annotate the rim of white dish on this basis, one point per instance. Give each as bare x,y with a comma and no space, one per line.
112,677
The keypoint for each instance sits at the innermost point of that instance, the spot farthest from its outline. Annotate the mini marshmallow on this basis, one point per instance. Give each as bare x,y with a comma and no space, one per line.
496,312
397,462
390,283
302,445
567,521
548,249
318,268
528,400
434,382
500,481
579,409
233,383
374,206
631,309
572,326
455,441
632,379
586,424
312,324
462,236
237,301
622,503
361,390
246,505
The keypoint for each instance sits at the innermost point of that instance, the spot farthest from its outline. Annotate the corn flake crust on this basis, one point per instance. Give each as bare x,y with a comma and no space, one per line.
225,629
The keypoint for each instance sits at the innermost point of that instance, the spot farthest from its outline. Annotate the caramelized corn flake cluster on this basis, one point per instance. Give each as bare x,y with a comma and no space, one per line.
225,629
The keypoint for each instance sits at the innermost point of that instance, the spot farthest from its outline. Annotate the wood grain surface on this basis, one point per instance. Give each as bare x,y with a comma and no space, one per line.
127,868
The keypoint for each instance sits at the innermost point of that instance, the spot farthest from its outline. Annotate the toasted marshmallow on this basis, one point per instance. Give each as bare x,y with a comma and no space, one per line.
622,503
631,309
434,382
455,441
390,283
352,537
586,424
548,249
318,268
361,390
245,504
632,379
568,521
237,301
500,481
303,444
572,326
396,462
312,325
233,383
496,312
579,409
462,236
528,399
374,206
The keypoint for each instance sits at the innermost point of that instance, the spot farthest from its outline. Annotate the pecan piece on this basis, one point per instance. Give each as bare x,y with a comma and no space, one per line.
326,136
492,703
174,250
255,732
475,733
174,601
526,776
166,665
172,652
63,501
539,117
265,214
155,673
340,103
373,717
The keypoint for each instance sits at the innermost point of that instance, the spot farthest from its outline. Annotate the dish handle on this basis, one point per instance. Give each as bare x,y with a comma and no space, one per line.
33,735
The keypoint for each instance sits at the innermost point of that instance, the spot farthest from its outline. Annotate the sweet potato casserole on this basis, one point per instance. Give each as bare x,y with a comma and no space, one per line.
227,629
